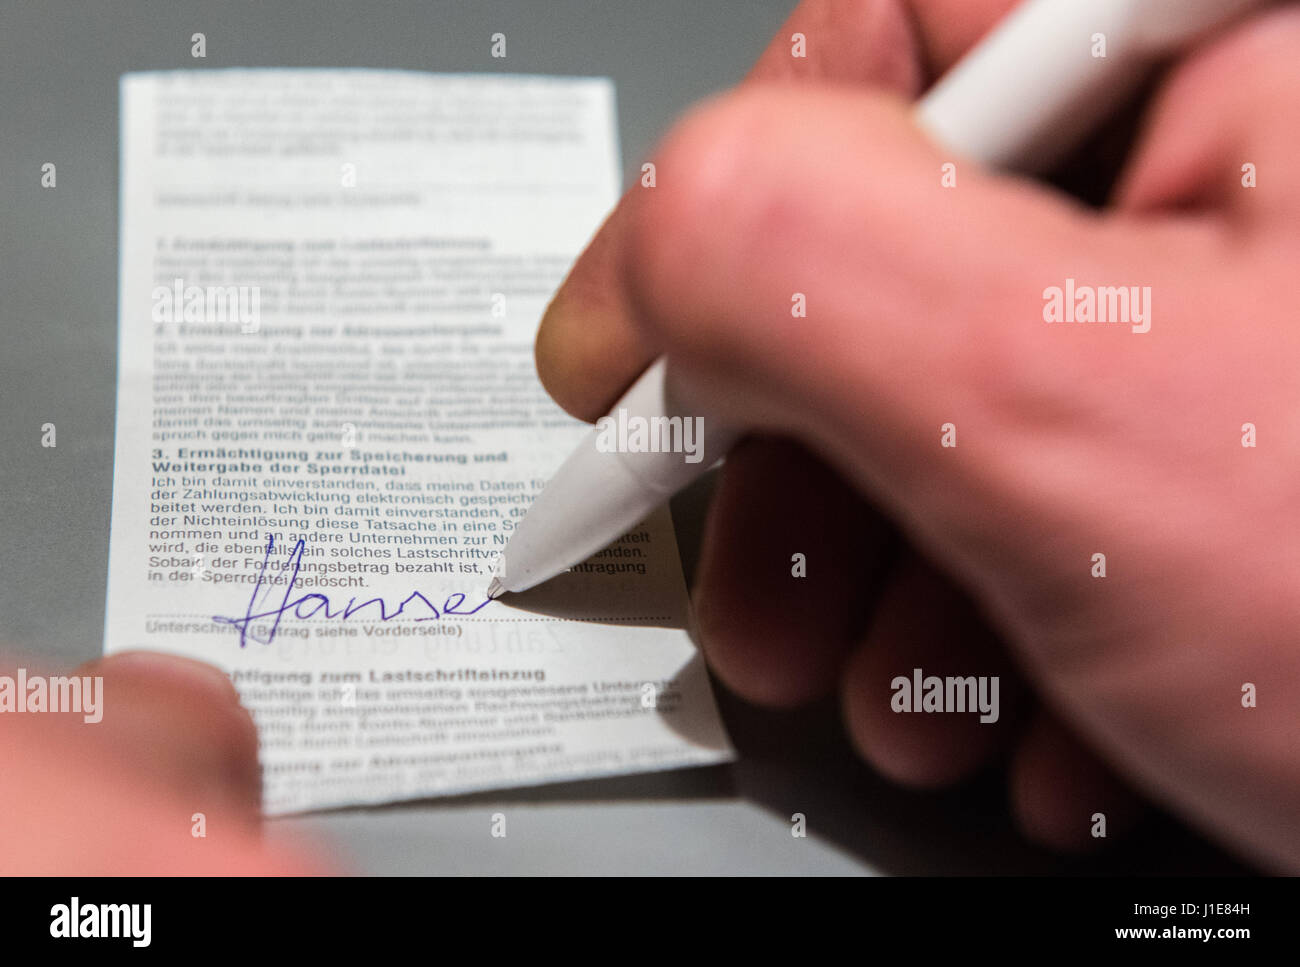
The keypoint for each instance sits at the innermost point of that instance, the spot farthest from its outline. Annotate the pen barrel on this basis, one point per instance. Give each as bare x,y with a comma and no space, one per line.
661,440
650,446
1052,70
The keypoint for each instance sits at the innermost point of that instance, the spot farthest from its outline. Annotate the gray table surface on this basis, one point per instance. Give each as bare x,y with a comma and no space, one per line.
59,64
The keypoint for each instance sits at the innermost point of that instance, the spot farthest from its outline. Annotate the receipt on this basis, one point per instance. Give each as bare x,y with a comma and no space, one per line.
329,423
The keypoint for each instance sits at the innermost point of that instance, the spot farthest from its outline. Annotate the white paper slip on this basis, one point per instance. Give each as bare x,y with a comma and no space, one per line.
329,421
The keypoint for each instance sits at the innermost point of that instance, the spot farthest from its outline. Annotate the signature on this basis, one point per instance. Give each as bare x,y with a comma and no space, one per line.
308,605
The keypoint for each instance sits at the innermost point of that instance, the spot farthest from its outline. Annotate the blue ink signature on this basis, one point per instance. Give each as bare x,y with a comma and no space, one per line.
319,602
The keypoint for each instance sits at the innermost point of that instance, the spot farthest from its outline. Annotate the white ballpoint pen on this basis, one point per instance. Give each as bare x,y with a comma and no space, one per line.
1019,100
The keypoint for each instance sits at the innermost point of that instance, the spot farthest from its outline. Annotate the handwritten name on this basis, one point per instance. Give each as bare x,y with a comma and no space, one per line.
309,605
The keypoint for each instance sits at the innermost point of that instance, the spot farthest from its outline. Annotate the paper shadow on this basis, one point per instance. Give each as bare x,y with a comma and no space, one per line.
578,597
637,598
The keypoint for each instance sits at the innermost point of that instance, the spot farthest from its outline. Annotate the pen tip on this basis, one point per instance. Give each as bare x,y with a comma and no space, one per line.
496,588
